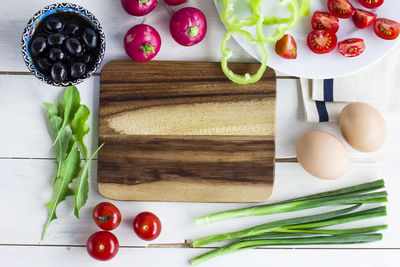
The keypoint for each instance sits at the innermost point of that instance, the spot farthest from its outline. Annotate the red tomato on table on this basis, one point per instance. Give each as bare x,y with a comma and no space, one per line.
147,226
107,216
102,246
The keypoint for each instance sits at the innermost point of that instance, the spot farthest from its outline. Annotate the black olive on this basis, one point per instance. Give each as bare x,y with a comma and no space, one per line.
72,28
86,58
56,54
56,39
90,38
43,65
74,47
54,23
38,46
59,72
77,70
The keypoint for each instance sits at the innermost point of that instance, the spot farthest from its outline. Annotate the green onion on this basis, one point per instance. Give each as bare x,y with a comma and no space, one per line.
305,222
305,230
346,199
325,240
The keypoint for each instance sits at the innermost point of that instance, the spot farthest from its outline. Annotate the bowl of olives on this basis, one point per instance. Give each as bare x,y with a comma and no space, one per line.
63,44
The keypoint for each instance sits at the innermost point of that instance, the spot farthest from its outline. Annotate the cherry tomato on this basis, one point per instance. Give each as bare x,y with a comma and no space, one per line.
371,3
341,8
321,41
102,246
286,47
147,226
387,29
324,20
351,47
362,19
106,216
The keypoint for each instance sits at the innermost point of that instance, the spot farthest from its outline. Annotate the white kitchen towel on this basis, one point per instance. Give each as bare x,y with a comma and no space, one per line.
378,85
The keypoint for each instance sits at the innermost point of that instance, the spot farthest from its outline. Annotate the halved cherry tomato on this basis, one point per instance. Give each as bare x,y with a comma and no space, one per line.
322,41
286,47
106,216
387,29
324,20
371,3
341,8
362,19
147,226
351,47
102,246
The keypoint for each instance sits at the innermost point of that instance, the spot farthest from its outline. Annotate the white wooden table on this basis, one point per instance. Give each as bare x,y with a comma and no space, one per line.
27,165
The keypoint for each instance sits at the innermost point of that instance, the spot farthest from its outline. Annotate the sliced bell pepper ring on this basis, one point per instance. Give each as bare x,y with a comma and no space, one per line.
293,6
233,22
227,53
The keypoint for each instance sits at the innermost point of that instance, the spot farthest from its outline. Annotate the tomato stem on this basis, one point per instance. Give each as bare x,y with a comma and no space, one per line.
147,49
194,31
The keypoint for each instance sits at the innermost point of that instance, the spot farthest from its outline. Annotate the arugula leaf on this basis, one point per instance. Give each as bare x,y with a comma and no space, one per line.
52,110
69,170
81,193
71,104
80,128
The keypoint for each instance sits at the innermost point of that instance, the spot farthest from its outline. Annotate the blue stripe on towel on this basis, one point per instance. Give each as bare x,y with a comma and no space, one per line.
328,90
322,112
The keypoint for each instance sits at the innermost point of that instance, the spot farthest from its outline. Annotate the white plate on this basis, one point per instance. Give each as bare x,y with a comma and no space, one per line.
332,65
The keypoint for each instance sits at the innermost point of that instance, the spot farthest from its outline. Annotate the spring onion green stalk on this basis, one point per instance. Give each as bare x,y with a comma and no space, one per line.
305,222
349,195
324,240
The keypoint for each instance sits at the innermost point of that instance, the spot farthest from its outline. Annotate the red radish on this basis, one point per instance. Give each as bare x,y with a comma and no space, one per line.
142,42
188,26
139,7
175,2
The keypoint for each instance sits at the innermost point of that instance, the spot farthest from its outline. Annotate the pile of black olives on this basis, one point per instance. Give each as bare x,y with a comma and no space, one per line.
64,47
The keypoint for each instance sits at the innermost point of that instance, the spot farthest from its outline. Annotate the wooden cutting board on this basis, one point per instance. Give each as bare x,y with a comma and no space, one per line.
181,131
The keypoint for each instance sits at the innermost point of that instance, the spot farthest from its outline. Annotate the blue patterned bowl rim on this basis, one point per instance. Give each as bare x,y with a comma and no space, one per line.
43,13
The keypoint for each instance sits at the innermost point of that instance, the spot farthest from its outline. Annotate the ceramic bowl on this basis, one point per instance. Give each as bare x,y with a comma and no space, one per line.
40,16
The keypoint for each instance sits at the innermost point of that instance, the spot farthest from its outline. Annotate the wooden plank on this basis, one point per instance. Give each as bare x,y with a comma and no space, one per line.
26,185
77,256
179,131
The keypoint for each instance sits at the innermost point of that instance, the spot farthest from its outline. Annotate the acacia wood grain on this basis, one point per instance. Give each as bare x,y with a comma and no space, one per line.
180,131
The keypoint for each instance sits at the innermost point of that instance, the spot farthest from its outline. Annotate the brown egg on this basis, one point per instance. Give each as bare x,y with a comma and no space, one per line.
363,127
322,155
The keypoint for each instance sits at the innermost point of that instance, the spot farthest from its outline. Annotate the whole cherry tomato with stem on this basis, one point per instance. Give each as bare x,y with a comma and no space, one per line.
107,216
147,226
102,245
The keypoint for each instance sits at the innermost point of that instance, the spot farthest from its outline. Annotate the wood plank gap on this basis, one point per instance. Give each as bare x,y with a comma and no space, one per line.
26,158
286,160
15,73
287,77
